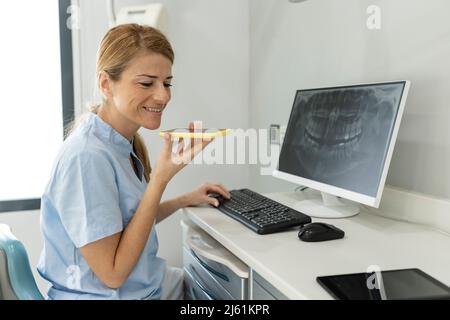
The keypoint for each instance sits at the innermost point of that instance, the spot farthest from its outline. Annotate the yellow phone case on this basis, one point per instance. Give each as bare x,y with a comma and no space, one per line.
184,133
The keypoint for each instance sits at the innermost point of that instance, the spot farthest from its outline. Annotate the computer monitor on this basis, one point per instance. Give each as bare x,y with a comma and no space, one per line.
340,141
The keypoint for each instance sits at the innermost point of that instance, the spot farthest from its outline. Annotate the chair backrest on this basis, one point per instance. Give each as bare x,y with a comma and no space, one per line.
16,279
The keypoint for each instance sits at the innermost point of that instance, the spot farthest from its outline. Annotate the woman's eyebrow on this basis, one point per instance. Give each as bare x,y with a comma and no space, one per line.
153,77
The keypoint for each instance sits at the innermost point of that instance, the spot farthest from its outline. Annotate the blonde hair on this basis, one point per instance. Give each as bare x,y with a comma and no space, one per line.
118,47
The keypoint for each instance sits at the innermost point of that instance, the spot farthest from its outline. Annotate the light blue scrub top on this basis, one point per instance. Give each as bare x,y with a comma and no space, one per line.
93,193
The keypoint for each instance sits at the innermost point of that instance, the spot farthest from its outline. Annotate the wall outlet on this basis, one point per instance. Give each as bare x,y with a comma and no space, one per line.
274,134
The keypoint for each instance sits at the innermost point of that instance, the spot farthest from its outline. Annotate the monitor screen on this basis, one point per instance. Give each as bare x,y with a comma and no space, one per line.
340,136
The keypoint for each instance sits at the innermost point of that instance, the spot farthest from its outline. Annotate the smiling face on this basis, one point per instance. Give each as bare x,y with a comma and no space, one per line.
140,96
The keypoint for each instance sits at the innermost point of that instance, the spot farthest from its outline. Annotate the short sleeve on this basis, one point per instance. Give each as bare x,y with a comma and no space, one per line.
86,198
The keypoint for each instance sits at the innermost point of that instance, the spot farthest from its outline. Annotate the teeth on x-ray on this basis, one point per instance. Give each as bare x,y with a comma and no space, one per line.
338,128
334,123
340,135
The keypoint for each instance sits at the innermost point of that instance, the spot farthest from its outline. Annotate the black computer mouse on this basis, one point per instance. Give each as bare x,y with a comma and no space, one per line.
318,231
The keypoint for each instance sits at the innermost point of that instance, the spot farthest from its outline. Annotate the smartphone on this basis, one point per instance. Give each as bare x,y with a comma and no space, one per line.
197,134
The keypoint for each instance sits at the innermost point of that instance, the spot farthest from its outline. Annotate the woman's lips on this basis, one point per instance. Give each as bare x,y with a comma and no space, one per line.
154,110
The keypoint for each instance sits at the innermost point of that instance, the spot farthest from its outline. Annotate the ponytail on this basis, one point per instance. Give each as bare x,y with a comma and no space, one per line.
142,153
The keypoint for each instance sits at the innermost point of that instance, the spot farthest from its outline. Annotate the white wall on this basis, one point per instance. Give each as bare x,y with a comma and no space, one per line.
211,79
326,42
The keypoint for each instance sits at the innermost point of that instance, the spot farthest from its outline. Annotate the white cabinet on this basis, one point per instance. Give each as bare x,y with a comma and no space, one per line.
263,290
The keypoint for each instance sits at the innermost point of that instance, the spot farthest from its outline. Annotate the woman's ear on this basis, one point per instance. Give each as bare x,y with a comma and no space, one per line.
104,83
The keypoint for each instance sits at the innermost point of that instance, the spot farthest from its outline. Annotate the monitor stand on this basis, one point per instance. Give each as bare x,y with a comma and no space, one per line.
328,206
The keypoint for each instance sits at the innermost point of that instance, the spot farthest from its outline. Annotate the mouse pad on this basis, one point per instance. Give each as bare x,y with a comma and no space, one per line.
402,284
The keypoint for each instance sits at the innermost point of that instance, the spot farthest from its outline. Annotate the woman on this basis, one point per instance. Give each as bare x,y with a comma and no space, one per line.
103,200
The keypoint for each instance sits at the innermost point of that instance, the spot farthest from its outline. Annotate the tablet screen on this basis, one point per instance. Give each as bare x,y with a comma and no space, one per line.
391,285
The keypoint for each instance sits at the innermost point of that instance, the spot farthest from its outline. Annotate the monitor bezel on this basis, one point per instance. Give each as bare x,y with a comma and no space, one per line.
341,192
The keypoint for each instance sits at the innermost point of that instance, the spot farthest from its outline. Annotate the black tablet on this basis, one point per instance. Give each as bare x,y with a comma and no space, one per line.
402,284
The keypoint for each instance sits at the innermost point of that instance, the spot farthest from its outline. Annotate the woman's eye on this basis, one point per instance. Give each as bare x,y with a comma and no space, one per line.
147,85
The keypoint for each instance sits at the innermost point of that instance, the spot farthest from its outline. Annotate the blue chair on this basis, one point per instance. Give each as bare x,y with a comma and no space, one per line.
16,279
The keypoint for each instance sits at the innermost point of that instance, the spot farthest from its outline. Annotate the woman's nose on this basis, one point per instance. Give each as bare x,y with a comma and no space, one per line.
161,95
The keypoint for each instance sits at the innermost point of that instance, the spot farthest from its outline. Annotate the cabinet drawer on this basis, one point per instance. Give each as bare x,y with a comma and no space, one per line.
194,290
215,261
204,277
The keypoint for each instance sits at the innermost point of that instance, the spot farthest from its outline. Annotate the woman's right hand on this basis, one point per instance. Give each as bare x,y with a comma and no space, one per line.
169,164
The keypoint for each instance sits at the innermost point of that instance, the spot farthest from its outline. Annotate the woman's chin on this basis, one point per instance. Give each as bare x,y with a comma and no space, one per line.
151,125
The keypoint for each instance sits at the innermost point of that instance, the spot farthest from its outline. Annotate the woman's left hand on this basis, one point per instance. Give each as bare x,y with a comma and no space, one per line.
200,195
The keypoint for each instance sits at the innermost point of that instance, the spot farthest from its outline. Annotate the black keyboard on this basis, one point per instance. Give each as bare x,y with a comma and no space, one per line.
260,213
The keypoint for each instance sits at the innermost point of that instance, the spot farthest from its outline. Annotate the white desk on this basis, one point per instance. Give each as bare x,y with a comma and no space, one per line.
292,266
